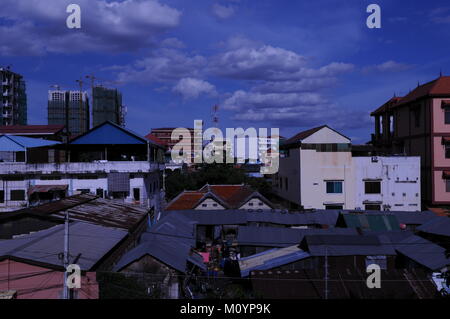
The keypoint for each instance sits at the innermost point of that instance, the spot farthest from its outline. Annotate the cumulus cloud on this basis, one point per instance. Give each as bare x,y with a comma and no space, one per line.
39,27
191,88
161,66
223,11
388,66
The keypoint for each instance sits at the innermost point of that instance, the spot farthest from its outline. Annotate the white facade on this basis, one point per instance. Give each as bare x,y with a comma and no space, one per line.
19,178
320,173
388,183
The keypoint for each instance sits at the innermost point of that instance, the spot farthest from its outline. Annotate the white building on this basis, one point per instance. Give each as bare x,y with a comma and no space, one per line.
387,183
108,161
317,171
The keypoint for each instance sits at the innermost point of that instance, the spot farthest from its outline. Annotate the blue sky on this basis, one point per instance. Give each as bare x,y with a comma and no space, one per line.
287,64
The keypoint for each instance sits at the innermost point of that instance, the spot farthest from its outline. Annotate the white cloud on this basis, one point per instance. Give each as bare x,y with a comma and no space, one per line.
388,66
223,11
191,88
38,27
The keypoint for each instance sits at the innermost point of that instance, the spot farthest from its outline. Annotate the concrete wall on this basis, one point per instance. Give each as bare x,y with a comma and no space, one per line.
33,282
399,178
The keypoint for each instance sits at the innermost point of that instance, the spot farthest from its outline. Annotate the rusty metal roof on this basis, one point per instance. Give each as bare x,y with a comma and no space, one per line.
88,208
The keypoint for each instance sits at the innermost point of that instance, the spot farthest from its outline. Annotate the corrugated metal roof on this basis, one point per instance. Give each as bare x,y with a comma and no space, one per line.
347,245
438,226
376,222
13,143
243,217
88,208
271,259
424,252
170,241
282,236
109,134
91,242
31,129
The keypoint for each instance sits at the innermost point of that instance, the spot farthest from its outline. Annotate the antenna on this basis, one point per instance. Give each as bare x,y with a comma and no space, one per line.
215,115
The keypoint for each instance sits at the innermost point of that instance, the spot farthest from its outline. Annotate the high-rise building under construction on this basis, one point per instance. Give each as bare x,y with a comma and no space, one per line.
107,106
13,106
69,108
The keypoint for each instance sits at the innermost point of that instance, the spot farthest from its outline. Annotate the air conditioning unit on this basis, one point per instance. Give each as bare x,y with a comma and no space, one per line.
374,159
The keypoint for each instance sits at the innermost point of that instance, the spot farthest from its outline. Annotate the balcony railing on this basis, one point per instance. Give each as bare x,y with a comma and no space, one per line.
79,168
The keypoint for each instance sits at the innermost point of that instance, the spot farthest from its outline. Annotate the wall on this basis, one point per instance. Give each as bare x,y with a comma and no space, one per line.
255,203
33,282
290,169
398,176
209,202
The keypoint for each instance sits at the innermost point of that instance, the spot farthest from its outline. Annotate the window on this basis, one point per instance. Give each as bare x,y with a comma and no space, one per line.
2,196
373,207
334,207
204,205
214,205
447,150
18,194
373,187
136,194
447,182
417,116
286,183
250,204
99,192
334,187
447,115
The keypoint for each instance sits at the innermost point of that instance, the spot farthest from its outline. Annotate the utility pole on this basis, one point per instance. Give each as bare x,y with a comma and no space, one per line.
66,294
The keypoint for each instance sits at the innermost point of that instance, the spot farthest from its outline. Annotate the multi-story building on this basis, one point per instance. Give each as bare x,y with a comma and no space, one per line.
13,108
108,161
69,108
318,171
107,106
418,124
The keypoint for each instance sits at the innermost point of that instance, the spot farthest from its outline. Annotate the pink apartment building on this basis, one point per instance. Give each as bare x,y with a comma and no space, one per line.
418,124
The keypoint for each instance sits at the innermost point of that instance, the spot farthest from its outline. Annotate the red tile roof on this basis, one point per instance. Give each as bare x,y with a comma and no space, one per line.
438,87
155,139
31,129
232,196
186,200
386,106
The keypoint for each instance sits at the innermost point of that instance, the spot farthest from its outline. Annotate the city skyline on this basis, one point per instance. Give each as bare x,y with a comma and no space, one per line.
292,66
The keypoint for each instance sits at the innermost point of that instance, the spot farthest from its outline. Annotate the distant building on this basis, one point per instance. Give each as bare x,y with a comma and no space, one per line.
69,108
318,171
165,135
107,106
418,124
14,99
48,132
220,197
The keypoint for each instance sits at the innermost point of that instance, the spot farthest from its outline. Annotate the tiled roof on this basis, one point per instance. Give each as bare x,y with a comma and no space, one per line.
155,139
31,129
386,106
230,196
186,200
438,87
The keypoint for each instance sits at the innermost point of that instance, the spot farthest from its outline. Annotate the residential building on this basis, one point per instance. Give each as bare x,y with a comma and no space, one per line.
319,171
165,135
220,197
418,124
108,161
32,240
107,106
387,183
69,108
13,109
316,170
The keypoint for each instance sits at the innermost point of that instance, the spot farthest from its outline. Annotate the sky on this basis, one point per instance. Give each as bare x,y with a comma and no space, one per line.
291,65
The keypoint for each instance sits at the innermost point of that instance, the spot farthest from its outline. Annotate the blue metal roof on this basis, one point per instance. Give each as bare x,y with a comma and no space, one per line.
109,134
271,259
13,143
439,225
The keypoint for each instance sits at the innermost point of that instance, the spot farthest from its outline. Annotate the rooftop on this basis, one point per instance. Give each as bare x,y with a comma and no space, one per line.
31,129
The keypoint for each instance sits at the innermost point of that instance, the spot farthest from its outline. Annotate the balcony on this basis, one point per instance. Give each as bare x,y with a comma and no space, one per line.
80,168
